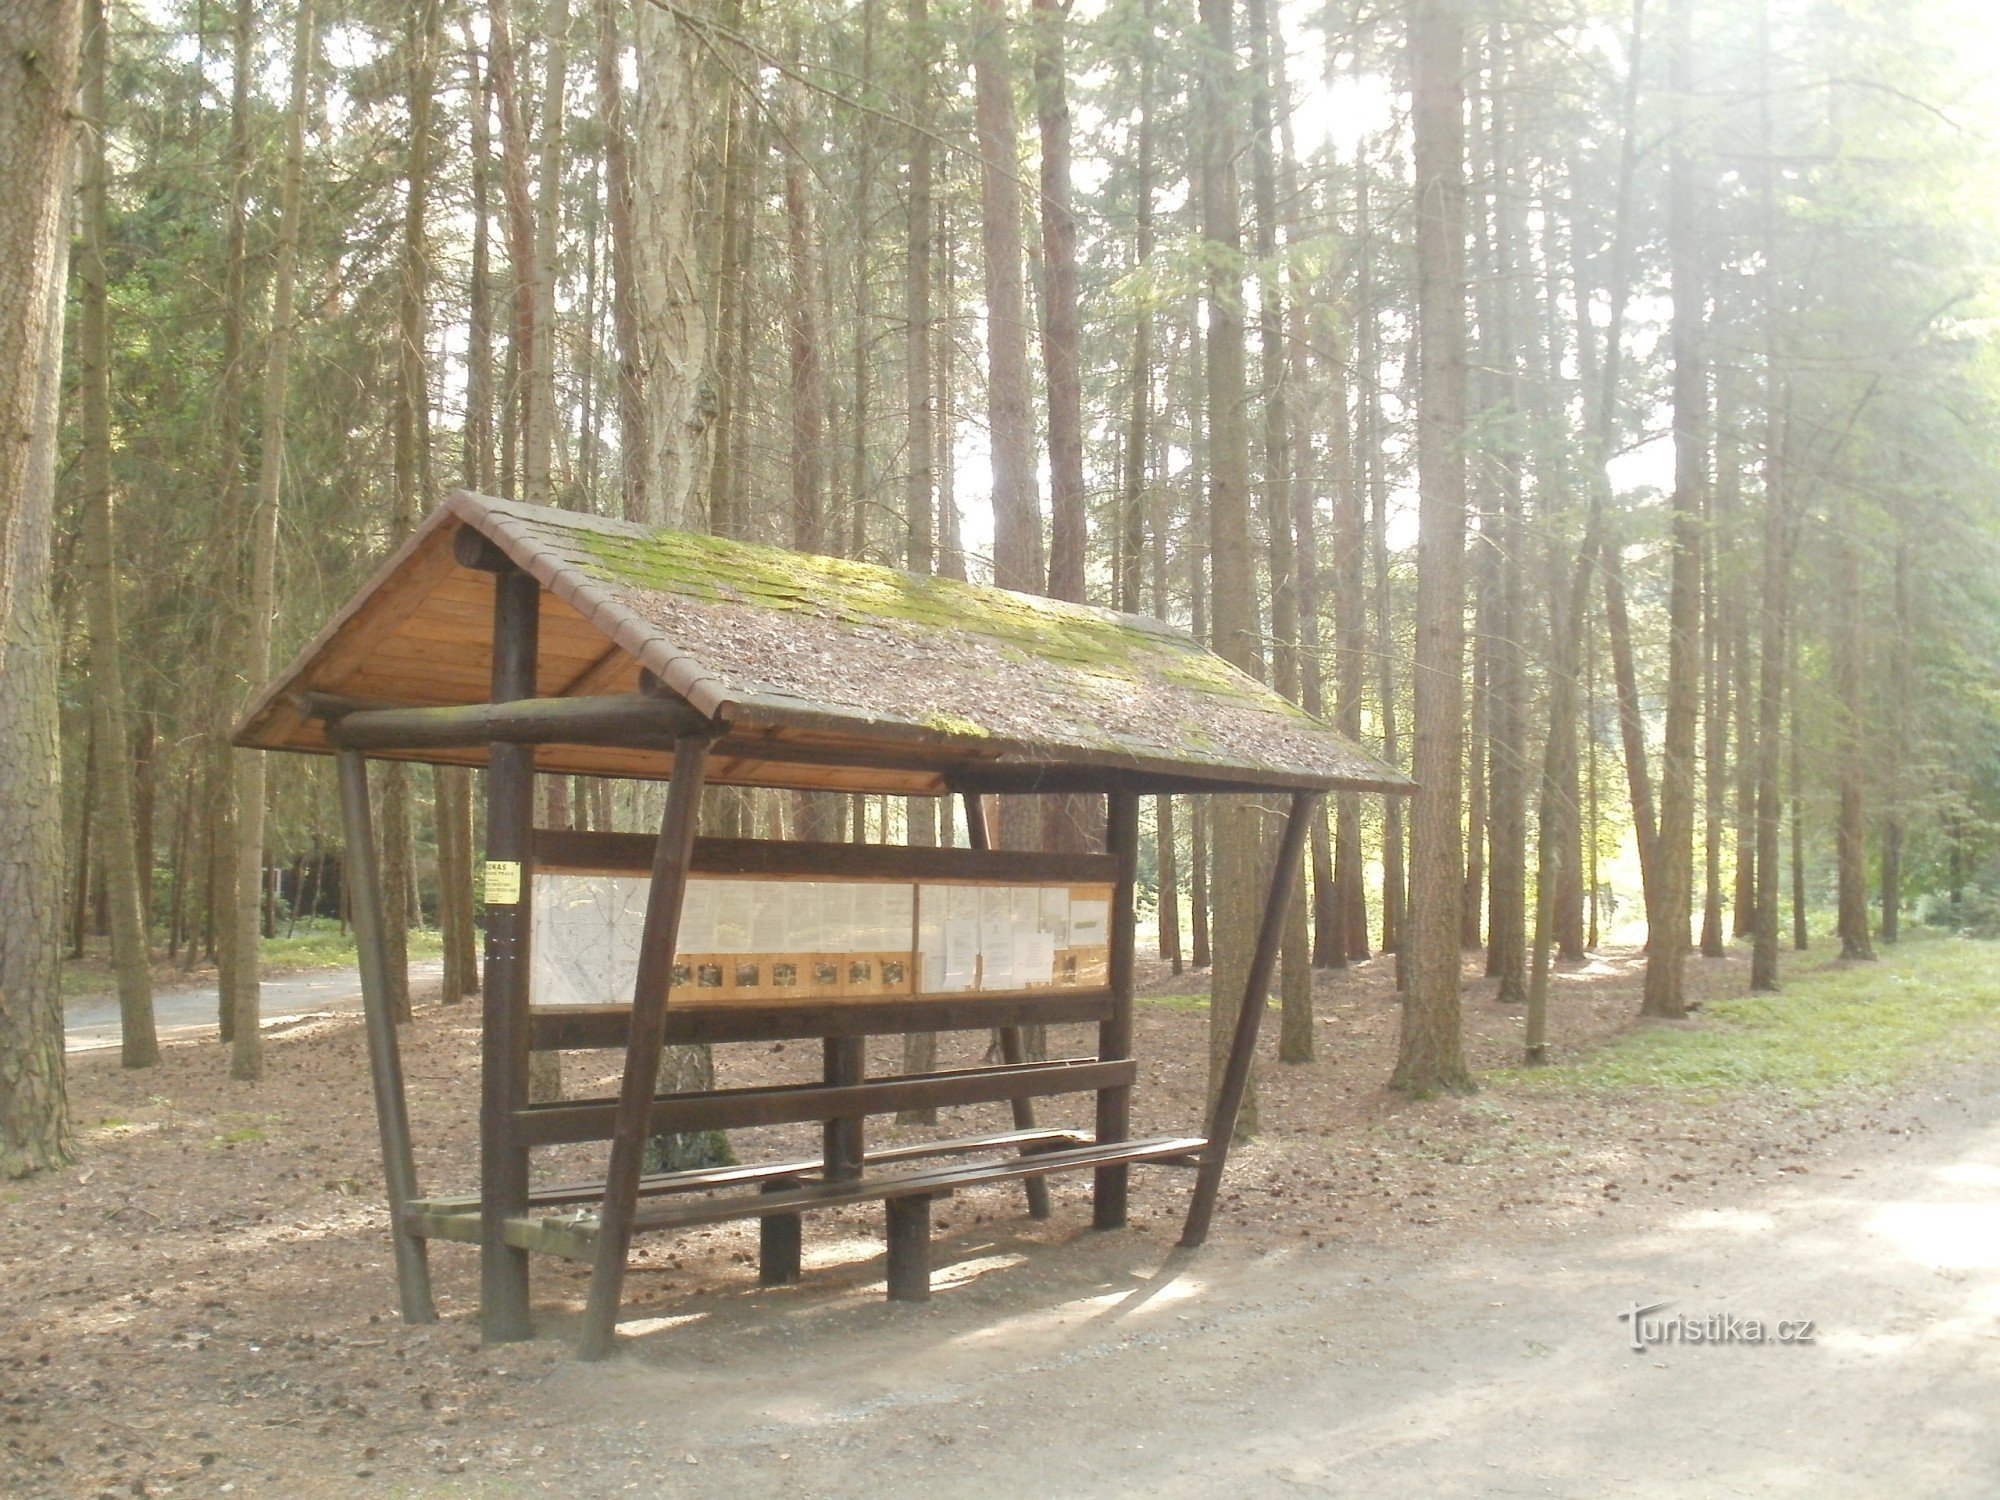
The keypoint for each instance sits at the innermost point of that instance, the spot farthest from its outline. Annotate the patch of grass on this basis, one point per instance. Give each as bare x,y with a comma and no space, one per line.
242,1136
1833,1027
314,946
1197,1003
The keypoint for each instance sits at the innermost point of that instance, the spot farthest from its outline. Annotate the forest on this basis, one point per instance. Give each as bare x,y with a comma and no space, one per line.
1587,406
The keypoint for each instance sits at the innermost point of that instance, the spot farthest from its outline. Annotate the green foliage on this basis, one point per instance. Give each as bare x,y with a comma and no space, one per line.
1834,1027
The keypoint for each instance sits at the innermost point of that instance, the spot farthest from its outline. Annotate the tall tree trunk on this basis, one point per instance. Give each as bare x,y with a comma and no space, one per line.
139,1045
1017,523
1295,1036
541,429
478,433
818,813
634,458
1898,714
1774,601
1507,685
38,73
920,553
38,61
1667,916
1431,1052
246,1059
226,538
1062,355
1236,821
673,115
410,449
1132,496
521,389
1373,425
1849,665
1716,642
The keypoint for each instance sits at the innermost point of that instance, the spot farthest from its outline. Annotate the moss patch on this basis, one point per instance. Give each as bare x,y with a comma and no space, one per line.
722,570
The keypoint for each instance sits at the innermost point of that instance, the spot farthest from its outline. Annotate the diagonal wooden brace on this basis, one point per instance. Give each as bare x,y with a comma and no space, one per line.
671,861
1243,1045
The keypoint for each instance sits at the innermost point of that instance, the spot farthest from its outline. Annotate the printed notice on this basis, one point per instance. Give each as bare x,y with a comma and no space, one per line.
503,882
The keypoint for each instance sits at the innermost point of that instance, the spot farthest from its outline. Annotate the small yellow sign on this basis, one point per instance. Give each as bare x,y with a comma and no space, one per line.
503,882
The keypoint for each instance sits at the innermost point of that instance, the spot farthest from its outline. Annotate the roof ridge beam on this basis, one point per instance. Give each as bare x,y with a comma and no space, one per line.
623,720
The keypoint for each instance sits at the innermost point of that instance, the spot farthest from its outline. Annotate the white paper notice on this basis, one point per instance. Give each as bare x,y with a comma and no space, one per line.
734,904
837,914
1054,914
1034,958
698,918
584,943
899,913
996,938
1088,923
961,955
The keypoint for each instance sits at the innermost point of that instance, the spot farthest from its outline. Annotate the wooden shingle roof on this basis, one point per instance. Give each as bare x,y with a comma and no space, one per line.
823,672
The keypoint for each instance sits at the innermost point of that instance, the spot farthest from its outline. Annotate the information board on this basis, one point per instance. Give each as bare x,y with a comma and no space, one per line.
748,939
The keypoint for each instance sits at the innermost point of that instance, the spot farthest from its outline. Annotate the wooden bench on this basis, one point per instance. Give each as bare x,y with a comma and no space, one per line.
787,1190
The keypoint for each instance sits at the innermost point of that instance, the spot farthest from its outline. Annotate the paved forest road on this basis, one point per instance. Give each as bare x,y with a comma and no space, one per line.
90,1023
1094,1369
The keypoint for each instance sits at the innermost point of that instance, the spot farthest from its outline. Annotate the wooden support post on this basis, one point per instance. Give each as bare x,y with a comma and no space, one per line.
1114,1033
385,1059
909,1248
1243,1045
780,1240
510,817
979,833
642,1048
845,1065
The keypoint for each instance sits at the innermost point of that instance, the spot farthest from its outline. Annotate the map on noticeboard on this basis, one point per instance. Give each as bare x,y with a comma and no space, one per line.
749,939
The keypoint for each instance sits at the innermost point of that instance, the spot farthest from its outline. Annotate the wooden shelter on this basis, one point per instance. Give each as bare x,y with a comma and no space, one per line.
525,639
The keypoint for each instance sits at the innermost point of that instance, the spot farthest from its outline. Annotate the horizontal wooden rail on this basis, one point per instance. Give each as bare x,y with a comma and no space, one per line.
595,1026
624,719
787,1104
559,850
939,1181
710,1179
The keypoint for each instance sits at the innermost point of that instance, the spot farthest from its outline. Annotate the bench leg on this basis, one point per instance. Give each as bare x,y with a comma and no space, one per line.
1013,1050
1109,1196
909,1249
780,1240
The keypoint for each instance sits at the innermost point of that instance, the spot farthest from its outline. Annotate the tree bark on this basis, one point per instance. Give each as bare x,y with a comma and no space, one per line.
1898,714
1849,665
1373,425
1017,522
1236,822
1673,882
246,1059
673,317
1062,353
138,1043
540,430
38,54
1431,1052
40,48
1774,615
634,459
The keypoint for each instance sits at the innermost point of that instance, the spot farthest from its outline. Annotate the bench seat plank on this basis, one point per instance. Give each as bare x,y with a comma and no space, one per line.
705,1179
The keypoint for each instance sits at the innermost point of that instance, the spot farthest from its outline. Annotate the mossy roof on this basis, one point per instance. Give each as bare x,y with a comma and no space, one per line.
843,653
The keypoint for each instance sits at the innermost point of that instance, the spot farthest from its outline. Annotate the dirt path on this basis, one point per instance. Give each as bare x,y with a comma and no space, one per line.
90,1023
1399,1297
1472,1371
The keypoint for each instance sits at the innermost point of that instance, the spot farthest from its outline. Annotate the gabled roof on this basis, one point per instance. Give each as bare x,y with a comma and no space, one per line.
826,673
